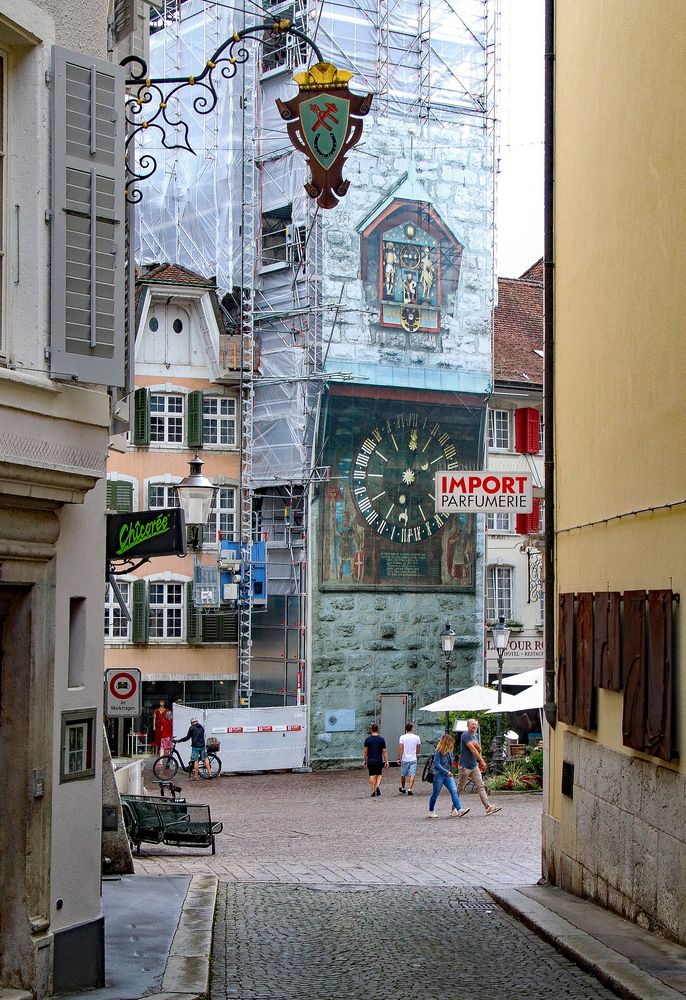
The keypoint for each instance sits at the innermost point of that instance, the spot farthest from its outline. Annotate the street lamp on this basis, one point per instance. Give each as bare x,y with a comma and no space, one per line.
501,637
196,494
447,645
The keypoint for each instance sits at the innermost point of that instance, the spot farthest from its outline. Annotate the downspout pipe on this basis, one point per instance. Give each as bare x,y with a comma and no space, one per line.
550,707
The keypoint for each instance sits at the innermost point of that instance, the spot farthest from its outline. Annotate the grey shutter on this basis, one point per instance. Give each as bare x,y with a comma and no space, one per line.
141,624
194,419
141,416
88,267
193,623
123,19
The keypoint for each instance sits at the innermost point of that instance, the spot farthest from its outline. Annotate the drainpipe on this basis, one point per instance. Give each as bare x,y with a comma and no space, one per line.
550,706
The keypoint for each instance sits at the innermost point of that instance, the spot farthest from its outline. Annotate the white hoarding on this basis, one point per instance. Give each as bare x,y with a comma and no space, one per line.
478,491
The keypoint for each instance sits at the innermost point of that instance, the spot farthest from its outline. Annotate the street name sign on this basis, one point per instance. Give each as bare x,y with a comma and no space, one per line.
123,692
467,491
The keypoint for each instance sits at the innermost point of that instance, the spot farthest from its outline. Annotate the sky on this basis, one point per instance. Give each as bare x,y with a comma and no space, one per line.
519,197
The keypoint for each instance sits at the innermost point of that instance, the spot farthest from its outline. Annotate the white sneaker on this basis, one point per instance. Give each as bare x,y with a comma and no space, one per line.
433,815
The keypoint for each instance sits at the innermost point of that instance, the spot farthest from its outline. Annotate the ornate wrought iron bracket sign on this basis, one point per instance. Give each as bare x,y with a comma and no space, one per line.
324,122
323,89
534,563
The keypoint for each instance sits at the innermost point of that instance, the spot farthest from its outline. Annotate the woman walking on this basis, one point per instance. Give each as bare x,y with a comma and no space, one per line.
443,775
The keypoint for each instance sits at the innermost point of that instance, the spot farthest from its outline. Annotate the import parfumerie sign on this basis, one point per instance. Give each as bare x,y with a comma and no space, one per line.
472,492
146,533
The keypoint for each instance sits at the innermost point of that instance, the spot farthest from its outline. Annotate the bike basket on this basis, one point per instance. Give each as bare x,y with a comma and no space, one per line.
212,745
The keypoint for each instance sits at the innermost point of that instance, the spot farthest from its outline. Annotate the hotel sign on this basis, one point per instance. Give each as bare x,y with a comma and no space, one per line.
472,492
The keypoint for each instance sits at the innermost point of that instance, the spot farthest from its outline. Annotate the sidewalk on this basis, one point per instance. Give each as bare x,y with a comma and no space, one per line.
633,962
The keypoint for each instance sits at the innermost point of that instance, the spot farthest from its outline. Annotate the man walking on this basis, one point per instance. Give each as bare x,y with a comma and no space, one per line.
196,734
407,758
472,764
375,759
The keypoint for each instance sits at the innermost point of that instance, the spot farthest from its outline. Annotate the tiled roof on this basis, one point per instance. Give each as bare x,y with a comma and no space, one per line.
534,273
173,274
518,331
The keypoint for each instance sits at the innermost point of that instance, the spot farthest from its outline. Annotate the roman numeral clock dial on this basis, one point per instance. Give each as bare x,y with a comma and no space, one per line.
393,477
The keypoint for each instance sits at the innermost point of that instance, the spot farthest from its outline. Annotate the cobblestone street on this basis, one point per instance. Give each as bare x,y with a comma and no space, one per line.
351,943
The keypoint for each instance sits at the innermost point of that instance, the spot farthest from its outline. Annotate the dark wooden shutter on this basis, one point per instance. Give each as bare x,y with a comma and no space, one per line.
634,666
141,417
88,265
658,730
220,628
607,656
193,620
140,627
194,419
565,660
583,660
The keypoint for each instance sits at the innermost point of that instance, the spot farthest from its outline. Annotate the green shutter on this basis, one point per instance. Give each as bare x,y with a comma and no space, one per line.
193,627
123,497
220,628
194,419
141,417
140,612
111,495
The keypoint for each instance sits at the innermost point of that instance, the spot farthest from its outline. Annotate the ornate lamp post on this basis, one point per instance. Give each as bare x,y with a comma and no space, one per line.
501,637
196,494
447,645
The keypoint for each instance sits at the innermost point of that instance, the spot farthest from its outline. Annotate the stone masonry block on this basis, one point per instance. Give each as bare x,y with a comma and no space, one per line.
670,862
643,851
662,798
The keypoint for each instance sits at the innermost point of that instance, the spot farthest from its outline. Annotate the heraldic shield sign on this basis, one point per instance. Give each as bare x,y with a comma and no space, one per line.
325,122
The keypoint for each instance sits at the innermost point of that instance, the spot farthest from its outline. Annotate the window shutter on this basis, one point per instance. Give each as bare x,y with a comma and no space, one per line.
141,417
527,421
123,19
220,628
522,527
139,631
88,267
193,620
124,498
194,419
527,524
111,495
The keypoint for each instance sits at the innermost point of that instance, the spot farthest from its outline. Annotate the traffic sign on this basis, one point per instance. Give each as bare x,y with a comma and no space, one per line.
123,692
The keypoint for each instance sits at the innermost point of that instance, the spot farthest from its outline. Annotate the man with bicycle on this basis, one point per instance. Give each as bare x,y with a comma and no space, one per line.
196,734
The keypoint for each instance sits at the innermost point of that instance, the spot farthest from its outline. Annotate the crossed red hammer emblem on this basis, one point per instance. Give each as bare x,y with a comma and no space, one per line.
322,114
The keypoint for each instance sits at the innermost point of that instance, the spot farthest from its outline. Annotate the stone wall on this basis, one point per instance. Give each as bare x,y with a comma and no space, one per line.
620,840
368,643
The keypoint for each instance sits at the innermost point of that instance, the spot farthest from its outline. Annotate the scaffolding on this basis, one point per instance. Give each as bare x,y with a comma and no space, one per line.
429,62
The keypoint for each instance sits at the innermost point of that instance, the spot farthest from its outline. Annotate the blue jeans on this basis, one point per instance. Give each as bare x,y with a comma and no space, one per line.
439,781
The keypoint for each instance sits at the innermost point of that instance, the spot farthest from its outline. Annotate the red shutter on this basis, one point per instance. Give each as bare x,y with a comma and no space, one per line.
527,421
527,524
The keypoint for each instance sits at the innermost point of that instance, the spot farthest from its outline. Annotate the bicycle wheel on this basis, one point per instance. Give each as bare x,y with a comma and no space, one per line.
165,768
130,825
215,767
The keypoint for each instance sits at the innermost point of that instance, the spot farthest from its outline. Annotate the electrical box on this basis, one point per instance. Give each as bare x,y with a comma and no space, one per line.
230,592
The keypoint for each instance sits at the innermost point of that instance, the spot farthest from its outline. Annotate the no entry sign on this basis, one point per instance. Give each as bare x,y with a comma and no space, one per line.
465,491
123,691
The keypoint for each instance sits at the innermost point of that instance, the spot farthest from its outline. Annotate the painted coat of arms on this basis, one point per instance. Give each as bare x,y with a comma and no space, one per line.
324,122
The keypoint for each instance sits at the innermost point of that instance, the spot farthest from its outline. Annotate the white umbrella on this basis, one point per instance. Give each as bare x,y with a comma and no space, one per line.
472,699
531,698
524,679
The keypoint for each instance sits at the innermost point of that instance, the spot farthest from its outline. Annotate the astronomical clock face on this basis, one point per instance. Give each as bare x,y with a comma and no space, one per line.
393,477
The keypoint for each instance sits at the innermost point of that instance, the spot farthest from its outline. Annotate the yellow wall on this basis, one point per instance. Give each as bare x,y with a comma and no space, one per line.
620,310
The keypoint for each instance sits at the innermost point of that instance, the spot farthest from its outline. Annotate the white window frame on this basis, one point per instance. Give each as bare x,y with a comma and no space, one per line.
214,523
170,497
166,416
167,607
219,422
492,519
113,611
499,596
499,420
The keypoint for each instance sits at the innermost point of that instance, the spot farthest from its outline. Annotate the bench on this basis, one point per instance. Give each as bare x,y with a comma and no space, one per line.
151,820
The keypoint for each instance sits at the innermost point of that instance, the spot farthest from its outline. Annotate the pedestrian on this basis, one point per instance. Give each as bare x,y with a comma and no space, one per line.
443,775
158,724
523,727
472,765
407,758
375,759
196,734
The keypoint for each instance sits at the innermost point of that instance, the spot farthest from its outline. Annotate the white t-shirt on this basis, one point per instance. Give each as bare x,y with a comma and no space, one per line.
409,743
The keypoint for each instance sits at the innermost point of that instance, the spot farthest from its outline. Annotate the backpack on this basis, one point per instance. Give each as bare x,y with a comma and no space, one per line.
428,772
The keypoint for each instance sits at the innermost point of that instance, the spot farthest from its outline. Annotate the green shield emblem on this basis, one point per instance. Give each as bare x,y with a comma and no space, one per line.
324,122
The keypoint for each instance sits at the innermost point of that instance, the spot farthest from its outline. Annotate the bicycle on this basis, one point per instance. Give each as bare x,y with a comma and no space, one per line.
166,766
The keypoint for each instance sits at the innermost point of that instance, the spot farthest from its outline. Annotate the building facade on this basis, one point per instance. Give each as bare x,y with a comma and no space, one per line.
62,343
185,402
613,824
514,583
